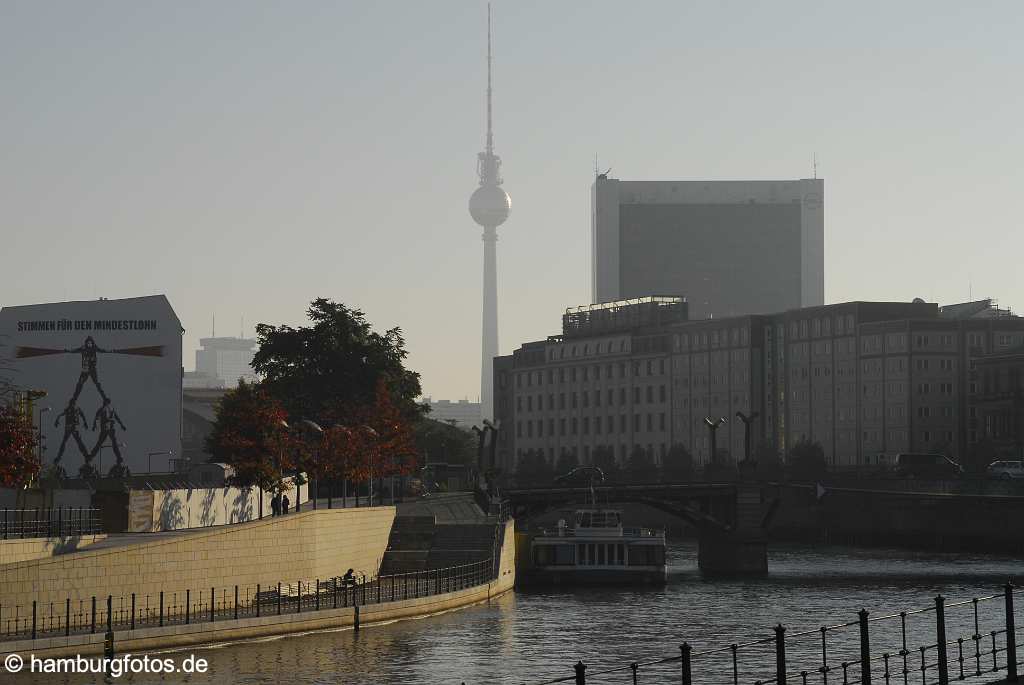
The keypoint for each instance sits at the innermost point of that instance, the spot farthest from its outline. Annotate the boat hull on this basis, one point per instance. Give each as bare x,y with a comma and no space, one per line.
598,576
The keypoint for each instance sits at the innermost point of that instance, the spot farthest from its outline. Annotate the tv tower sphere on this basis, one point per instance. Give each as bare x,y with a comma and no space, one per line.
490,206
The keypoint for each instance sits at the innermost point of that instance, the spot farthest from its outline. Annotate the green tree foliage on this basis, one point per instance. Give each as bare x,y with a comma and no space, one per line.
438,441
641,467
603,457
533,469
18,462
325,371
678,464
567,461
807,460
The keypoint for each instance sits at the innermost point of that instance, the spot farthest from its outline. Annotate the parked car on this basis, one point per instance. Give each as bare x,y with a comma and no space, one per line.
1006,469
933,466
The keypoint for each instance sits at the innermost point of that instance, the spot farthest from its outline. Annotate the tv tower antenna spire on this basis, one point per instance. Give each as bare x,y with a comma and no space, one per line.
489,205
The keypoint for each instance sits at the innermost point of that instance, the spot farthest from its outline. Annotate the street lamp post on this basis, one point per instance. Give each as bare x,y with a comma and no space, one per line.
713,425
39,438
747,420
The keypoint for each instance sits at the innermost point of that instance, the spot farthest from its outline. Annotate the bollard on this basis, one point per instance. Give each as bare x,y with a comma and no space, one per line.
865,649
133,612
279,598
213,602
257,600
684,661
581,673
1011,637
298,600
110,618
940,638
188,606
108,645
67,616
161,608
92,628
33,619
236,602
634,666
780,655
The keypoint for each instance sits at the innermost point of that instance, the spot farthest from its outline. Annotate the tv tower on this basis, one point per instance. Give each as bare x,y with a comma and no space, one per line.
489,205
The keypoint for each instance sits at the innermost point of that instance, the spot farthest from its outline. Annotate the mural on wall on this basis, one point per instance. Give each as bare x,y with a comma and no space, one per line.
106,366
106,417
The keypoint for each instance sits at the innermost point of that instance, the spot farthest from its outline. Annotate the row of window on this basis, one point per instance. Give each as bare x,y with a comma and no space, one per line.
577,426
572,374
584,397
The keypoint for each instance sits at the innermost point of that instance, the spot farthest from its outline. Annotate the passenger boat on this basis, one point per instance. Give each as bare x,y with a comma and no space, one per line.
597,549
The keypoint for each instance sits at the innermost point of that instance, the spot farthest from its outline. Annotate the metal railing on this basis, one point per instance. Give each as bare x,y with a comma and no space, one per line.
167,608
905,648
49,522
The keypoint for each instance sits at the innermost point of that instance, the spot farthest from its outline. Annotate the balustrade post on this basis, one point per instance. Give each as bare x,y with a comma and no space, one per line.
257,600
213,603
279,598
865,649
92,626
940,638
188,606
33,619
161,608
110,620
684,663
236,602
780,655
581,673
67,616
298,603
133,612
1011,637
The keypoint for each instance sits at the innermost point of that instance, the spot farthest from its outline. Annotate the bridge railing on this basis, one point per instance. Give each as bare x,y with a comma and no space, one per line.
972,638
48,522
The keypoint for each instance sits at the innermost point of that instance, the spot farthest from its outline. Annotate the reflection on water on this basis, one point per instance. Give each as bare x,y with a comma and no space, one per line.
535,634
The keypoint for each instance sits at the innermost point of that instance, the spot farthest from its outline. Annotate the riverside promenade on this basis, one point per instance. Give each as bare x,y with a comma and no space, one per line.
267,577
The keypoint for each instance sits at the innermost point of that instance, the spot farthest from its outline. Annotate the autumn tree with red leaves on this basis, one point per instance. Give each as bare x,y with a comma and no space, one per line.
251,434
18,442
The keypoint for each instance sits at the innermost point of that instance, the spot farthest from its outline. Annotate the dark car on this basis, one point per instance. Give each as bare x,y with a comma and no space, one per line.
932,466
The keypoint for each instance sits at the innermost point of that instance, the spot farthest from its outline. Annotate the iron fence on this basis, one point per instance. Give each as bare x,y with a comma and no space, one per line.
180,607
48,522
972,638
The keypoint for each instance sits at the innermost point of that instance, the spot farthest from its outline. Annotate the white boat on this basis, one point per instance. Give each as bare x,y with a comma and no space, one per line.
596,548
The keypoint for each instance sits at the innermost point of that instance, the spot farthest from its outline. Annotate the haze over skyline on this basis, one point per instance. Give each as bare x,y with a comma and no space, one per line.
245,158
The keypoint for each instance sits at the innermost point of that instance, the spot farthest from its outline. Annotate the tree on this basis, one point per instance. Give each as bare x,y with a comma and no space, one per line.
678,464
640,467
807,460
18,462
334,366
251,435
441,442
769,462
567,461
603,457
392,448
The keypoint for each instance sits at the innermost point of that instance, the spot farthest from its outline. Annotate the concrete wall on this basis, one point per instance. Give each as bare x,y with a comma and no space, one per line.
314,544
204,633
13,551
151,511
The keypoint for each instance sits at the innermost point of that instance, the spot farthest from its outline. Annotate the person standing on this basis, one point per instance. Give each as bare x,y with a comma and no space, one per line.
275,504
284,504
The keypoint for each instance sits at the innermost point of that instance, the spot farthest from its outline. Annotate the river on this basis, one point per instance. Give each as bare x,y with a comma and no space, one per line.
529,636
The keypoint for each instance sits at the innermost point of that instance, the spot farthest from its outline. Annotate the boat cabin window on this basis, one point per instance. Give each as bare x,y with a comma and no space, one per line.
554,555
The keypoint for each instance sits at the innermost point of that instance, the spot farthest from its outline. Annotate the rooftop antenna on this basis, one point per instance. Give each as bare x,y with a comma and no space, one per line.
490,136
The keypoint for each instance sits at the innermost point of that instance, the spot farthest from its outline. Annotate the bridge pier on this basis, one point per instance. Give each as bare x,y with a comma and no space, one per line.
742,551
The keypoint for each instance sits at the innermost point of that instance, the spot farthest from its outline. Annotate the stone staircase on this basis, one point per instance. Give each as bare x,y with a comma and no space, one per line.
419,543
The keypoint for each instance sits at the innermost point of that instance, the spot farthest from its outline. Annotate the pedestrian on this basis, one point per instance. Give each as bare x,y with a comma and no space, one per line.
284,505
275,504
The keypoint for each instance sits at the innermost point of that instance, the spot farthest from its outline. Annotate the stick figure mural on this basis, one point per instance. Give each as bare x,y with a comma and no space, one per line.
106,417
70,415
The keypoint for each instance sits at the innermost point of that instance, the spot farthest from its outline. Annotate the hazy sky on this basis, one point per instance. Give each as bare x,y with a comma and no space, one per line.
246,157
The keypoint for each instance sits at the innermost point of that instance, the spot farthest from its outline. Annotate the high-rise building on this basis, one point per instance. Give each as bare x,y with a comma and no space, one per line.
865,380
729,247
226,359
489,205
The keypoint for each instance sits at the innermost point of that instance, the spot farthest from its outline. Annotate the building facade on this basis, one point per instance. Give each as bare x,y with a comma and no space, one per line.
730,247
463,413
226,359
866,380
